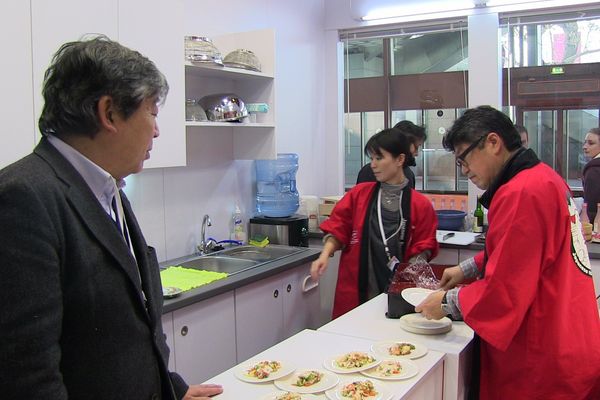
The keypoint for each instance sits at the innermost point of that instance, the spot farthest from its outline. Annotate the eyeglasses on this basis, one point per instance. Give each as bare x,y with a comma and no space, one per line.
460,159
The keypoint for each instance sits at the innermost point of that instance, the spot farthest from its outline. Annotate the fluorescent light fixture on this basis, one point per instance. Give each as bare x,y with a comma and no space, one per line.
418,9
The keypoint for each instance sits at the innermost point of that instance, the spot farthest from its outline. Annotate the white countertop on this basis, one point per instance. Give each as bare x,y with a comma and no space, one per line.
368,321
309,349
374,325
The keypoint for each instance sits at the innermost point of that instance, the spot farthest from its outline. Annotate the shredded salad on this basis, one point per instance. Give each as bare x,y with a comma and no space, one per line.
289,396
308,378
354,359
263,369
401,349
359,390
389,368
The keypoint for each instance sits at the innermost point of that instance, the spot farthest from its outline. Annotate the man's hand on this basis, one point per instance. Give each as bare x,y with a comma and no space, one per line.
431,307
451,277
202,392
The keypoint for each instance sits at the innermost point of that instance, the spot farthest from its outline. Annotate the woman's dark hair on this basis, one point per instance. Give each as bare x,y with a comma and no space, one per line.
413,132
391,140
82,72
479,121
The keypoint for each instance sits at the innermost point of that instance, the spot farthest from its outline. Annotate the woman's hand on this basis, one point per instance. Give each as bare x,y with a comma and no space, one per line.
318,267
451,277
202,392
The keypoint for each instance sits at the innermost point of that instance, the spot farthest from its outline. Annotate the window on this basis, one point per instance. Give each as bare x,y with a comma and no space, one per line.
552,84
415,74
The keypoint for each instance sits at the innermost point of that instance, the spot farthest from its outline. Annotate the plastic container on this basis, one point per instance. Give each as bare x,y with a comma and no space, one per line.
238,232
450,220
276,193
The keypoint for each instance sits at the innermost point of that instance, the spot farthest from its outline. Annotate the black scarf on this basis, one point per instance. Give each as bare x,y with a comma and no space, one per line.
521,160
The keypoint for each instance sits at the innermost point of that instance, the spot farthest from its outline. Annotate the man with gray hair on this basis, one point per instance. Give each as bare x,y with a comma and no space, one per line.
82,299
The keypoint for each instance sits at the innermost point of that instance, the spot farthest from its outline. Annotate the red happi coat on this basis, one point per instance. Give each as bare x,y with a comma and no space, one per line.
346,224
534,309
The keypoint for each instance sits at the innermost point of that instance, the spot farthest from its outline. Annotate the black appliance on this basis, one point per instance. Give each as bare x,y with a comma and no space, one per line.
289,231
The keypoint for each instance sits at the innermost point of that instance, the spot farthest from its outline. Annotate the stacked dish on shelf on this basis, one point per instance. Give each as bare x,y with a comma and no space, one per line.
200,49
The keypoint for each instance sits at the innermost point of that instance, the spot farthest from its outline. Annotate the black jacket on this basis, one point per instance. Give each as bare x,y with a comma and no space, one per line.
73,323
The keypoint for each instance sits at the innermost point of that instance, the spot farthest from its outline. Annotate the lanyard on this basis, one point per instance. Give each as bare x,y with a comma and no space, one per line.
401,227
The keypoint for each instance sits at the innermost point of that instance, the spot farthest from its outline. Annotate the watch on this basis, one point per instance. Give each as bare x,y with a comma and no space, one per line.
445,307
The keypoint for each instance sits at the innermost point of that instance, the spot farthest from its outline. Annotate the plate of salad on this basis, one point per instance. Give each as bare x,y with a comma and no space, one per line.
263,371
308,381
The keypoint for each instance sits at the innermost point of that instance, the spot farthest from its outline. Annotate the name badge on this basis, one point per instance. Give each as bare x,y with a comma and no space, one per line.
393,263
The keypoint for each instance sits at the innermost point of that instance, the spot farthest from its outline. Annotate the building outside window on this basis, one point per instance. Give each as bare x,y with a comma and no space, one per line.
551,85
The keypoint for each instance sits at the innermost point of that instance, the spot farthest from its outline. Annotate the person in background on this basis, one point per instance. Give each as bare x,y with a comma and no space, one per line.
82,298
532,305
524,135
377,225
416,137
591,172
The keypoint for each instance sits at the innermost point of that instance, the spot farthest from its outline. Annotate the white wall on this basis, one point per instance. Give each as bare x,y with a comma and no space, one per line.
170,202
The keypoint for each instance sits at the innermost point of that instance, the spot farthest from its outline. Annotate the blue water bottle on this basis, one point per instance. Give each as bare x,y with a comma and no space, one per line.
276,193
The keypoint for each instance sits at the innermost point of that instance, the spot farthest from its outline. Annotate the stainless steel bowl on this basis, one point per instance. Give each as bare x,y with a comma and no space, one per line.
200,49
223,107
242,58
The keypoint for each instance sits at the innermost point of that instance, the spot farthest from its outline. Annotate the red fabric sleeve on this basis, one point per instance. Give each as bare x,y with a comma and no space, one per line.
341,222
423,221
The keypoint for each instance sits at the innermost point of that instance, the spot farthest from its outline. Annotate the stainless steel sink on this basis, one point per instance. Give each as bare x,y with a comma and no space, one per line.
260,254
228,265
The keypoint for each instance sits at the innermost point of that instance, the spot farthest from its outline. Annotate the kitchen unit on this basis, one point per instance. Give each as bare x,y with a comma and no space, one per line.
215,326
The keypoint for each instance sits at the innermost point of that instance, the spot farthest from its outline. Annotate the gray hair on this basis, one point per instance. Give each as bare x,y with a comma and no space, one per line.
82,72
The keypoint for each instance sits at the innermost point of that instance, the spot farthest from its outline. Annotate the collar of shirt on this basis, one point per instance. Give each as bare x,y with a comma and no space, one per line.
100,182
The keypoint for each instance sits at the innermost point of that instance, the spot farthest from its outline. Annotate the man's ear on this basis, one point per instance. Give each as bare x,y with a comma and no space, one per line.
106,112
496,141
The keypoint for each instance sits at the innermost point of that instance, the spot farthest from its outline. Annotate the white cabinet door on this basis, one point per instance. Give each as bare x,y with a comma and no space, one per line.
301,301
167,325
56,22
205,338
258,316
155,29
16,110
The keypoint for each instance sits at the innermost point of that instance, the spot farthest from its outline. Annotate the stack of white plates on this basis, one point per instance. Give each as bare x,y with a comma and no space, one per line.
416,323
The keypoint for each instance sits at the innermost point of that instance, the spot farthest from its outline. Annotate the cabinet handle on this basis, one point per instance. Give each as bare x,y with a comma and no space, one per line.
184,330
276,293
306,286
289,287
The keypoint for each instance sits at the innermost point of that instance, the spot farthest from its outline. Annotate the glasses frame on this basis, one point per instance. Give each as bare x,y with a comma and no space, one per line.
460,159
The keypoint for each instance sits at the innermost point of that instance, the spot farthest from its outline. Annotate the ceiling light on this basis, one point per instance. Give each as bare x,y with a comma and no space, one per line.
418,9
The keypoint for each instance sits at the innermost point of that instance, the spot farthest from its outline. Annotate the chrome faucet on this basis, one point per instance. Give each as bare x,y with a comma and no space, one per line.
204,246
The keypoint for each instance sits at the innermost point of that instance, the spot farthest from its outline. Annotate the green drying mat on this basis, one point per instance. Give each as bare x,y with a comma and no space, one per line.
186,278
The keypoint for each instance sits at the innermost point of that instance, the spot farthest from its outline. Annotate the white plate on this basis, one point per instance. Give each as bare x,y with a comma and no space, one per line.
331,364
328,381
382,348
383,392
408,370
273,396
242,372
171,291
417,323
415,295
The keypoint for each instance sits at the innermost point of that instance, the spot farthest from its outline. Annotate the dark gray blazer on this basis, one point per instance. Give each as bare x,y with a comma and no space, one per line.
73,323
